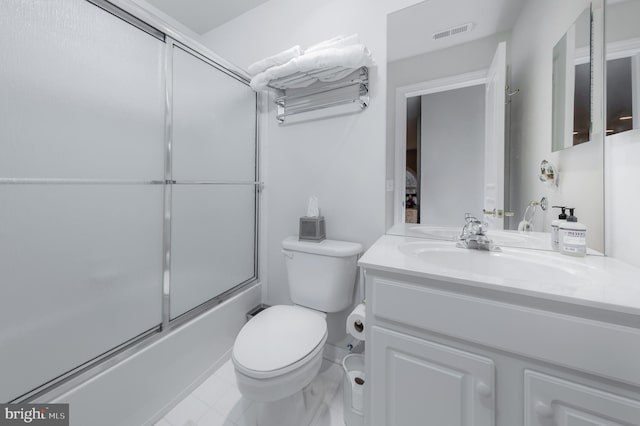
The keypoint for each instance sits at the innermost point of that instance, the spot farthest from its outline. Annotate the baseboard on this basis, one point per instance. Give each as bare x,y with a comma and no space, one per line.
336,353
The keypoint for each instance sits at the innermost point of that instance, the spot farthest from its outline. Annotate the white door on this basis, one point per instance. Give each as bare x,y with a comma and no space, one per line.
418,382
494,138
553,401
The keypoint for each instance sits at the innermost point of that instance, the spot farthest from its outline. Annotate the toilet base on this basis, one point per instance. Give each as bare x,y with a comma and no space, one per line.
298,409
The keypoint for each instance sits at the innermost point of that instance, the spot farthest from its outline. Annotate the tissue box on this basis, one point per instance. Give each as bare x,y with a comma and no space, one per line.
312,229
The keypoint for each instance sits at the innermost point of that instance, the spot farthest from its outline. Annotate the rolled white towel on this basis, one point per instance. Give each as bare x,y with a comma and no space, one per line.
275,60
353,56
336,42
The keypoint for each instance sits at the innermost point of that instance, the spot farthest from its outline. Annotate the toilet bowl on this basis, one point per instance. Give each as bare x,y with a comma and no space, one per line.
278,353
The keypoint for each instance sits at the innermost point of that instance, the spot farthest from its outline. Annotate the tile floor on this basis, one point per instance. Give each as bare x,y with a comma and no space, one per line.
217,401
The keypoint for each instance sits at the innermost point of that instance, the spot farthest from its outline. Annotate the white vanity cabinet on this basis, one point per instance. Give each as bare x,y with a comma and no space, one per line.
422,382
445,353
553,401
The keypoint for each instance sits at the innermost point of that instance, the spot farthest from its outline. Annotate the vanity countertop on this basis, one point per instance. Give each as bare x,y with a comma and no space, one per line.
592,281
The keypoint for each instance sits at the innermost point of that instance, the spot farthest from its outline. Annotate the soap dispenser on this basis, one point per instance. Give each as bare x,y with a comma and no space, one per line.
573,236
555,228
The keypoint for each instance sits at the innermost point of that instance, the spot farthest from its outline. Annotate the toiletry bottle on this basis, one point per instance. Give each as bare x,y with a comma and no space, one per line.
555,228
573,236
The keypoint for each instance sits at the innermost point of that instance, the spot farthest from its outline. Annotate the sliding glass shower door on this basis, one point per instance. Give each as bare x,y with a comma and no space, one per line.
102,122
214,170
81,140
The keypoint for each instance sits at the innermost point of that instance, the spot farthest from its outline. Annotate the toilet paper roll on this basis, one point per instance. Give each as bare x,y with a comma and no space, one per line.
357,387
356,322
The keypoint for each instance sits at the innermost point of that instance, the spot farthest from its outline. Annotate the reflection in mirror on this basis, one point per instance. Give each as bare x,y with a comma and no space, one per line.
623,65
572,85
469,119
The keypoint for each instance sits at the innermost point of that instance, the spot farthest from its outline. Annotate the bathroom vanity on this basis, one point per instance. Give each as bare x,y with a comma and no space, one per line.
516,337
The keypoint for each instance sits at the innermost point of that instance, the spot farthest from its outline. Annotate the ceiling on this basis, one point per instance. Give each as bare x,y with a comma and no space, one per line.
411,30
204,15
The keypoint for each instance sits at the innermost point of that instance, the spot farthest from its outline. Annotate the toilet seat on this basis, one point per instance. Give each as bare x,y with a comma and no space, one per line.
279,340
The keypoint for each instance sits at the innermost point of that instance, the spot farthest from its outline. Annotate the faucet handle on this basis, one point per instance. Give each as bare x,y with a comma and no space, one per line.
470,219
482,228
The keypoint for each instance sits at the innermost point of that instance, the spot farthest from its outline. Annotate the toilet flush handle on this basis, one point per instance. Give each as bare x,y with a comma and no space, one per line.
287,253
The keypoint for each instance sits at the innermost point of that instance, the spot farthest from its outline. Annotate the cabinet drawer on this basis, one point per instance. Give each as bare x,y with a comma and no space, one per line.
595,347
553,401
437,384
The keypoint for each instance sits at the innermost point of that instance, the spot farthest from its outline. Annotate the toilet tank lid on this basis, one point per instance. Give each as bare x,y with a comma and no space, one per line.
325,247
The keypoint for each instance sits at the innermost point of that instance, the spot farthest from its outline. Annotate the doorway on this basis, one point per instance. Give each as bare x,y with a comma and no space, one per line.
446,136
441,197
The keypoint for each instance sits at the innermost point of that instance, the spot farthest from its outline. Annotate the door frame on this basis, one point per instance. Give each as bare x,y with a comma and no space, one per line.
475,78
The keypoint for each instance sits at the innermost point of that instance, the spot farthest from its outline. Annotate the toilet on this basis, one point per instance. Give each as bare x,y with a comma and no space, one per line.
278,353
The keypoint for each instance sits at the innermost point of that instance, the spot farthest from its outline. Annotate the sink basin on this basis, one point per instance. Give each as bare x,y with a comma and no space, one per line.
510,266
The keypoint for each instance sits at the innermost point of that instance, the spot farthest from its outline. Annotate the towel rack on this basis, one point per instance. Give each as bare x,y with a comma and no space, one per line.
334,87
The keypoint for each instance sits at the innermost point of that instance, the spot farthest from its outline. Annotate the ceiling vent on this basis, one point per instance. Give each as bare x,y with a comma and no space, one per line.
460,29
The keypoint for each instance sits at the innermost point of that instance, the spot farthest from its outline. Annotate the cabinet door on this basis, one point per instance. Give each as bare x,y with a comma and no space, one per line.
553,401
417,382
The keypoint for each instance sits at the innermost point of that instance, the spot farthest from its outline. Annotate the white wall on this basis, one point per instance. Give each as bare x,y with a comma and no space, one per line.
622,155
341,160
473,56
623,204
452,178
541,24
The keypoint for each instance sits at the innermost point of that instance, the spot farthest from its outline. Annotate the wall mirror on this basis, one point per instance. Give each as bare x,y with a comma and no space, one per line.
623,66
470,93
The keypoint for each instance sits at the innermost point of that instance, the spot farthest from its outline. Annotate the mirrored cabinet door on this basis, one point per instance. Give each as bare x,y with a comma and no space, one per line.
622,145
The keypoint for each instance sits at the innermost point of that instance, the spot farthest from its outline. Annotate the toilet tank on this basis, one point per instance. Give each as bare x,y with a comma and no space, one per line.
322,274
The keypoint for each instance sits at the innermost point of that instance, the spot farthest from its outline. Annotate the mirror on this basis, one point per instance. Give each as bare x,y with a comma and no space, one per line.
623,66
470,91
572,85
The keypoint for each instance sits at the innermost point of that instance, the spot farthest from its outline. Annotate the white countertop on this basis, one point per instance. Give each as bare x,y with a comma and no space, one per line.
594,281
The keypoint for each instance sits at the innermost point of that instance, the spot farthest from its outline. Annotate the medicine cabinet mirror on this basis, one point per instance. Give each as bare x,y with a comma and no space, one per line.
623,66
472,94
571,89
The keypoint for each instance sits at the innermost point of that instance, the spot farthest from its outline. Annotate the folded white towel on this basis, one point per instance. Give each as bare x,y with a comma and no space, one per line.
336,42
275,60
352,56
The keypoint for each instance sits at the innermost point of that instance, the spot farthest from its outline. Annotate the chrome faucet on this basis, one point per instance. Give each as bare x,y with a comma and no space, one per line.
474,235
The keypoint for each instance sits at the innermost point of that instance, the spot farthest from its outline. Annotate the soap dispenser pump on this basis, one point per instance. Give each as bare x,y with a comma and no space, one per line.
573,236
555,228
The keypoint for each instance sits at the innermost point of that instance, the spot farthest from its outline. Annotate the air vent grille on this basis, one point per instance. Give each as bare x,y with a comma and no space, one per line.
460,29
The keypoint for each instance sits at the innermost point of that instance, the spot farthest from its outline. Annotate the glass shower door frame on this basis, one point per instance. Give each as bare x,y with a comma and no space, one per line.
167,321
82,373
